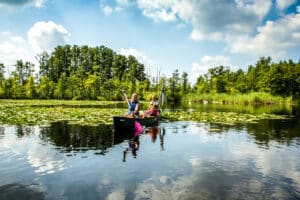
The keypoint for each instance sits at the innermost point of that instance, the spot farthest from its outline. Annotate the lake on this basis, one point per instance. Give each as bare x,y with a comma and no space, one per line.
176,160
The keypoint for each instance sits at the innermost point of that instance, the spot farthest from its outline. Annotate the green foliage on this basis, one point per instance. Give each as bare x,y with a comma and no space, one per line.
83,72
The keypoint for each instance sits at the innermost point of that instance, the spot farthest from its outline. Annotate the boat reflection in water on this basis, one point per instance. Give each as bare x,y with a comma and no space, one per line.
74,138
155,132
130,129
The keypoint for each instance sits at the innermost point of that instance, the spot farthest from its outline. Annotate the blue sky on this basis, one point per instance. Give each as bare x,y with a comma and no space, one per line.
188,35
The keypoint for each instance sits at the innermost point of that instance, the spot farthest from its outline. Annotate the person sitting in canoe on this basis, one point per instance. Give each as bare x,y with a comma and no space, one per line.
153,109
133,106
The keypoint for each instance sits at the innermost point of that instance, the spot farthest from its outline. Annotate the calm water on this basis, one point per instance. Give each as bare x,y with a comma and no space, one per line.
178,160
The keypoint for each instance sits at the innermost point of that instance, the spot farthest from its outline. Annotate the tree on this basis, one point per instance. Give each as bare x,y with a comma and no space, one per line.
45,89
119,67
43,60
240,81
24,70
2,71
185,87
30,88
202,85
263,74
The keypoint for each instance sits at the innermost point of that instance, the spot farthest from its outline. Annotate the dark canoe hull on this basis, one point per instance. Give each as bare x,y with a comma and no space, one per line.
123,123
124,127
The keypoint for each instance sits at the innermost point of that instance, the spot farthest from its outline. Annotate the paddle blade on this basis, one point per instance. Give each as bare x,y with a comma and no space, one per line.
162,98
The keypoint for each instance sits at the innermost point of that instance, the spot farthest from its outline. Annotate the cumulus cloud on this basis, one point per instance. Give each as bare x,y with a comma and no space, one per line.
13,48
216,20
120,5
271,39
158,10
207,62
33,3
213,19
239,23
44,36
137,54
107,10
283,4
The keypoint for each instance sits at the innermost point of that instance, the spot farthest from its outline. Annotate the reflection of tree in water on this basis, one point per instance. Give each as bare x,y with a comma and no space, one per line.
281,131
78,137
267,130
21,131
1,132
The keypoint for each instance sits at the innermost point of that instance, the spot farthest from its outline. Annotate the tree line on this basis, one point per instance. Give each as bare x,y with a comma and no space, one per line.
99,73
282,79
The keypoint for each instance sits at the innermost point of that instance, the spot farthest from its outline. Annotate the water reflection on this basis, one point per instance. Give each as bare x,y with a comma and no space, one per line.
133,147
282,131
78,138
175,160
1,132
264,132
155,132
20,191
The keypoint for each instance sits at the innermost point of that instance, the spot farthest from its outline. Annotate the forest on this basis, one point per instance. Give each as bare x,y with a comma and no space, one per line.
99,73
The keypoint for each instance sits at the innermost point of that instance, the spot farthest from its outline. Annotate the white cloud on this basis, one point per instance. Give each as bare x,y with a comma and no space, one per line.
207,62
158,10
272,39
107,10
30,3
44,36
216,20
13,48
213,20
120,5
17,39
138,55
283,4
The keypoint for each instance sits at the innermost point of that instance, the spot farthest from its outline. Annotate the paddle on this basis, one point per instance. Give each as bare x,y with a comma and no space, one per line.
162,98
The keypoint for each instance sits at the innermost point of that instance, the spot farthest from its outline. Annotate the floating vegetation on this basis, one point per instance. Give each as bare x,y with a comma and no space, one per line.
45,115
23,113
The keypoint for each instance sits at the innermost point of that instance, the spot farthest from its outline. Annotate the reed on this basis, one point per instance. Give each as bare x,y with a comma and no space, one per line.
243,99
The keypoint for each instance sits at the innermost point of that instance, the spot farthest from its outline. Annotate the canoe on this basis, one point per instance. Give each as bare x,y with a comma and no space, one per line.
127,124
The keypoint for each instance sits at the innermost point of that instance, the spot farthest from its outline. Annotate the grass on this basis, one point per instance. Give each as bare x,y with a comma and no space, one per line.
253,98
